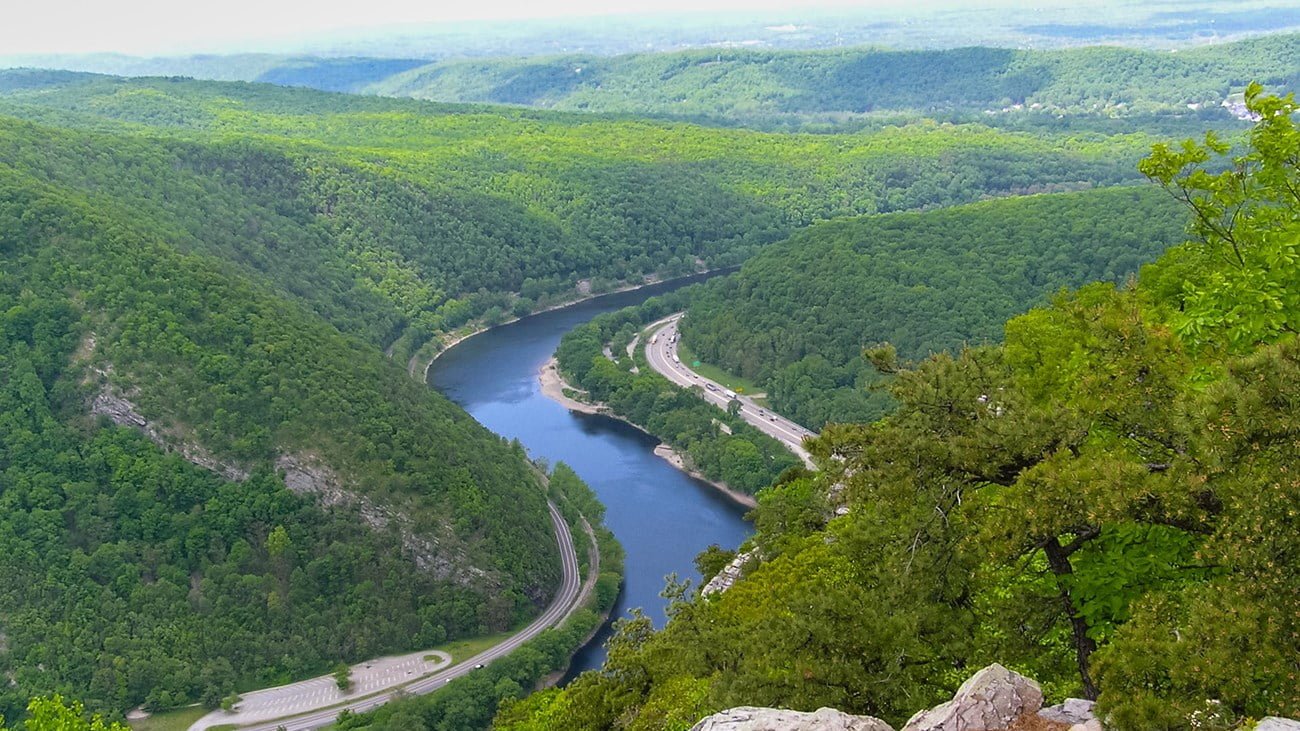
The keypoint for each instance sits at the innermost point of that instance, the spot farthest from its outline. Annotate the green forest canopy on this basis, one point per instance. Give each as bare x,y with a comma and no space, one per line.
131,575
241,253
766,86
798,315
1106,502
428,216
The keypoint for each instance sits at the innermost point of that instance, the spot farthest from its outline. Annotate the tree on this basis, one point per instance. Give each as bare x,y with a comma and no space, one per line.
343,677
278,542
53,713
1238,282
712,560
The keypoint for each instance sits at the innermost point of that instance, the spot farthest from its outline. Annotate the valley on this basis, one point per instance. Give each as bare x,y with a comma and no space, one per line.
539,382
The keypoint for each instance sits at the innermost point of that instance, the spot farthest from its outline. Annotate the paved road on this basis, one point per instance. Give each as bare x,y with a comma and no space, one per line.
661,352
571,591
304,696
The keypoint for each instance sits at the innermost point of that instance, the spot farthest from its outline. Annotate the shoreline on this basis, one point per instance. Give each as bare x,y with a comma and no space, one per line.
553,385
551,308
553,679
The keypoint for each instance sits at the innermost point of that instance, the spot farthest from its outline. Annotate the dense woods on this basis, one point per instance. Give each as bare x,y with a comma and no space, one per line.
132,576
1099,492
399,220
798,315
834,87
1106,502
230,261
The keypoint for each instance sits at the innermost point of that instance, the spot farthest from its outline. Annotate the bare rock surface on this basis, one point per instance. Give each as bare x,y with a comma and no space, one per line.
1072,711
1273,723
989,700
306,474
122,411
729,574
746,718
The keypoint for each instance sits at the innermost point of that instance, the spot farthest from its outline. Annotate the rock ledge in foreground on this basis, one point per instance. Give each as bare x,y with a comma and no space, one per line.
748,718
990,699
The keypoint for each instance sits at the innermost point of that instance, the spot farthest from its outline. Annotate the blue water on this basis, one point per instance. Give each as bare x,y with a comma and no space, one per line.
662,517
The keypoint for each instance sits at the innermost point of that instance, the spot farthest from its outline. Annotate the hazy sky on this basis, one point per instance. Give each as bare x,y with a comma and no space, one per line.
179,26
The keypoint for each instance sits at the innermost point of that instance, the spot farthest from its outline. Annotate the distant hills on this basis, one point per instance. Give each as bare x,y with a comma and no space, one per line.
829,88
831,85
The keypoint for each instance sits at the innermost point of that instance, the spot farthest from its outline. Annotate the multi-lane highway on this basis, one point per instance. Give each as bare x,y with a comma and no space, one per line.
661,352
572,591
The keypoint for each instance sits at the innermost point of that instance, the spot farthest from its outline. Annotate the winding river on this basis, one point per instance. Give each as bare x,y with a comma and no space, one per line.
662,517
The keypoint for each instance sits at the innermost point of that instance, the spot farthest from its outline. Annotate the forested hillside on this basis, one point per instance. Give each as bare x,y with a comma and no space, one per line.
797,316
131,575
792,87
433,215
221,268
1106,502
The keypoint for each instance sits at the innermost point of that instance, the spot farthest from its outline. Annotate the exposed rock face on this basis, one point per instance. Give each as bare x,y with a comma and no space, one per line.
747,718
991,699
121,411
729,574
1273,723
307,475
303,474
1072,711
994,699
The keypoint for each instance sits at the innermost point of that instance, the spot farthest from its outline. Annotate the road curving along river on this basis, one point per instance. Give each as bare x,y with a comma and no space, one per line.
662,516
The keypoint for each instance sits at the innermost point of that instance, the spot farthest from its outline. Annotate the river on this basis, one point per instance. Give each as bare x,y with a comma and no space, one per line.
662,517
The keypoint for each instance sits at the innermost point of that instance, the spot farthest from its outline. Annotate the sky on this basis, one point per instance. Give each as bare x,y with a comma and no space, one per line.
144,27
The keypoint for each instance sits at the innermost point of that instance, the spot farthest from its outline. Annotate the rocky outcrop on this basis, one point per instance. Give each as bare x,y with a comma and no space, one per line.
729,574
1073,712
774,719
306,475
122,411
1273,723
303,474
994,699
991,699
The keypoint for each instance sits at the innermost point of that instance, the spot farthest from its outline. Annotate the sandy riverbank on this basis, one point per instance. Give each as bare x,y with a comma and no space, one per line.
553,386
677,460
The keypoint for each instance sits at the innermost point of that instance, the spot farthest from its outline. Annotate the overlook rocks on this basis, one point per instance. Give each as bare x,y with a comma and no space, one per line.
993,699
746,718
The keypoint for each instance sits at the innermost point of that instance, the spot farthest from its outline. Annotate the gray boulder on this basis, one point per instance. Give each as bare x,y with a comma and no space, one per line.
990,699
1072,711
1273,723
747,718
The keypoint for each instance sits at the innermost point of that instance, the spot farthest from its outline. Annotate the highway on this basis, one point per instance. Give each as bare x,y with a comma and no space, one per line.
661,352
571,591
